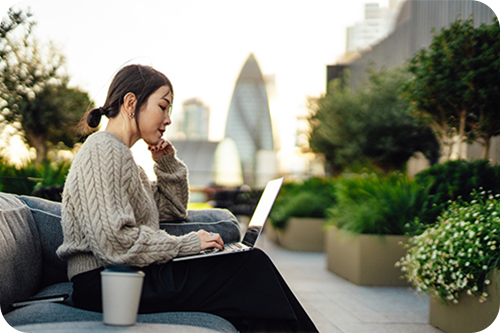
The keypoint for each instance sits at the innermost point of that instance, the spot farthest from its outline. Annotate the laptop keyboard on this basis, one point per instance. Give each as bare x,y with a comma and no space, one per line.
227,248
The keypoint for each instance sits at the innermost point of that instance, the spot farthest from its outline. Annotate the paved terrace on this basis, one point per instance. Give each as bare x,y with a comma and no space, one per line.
339,306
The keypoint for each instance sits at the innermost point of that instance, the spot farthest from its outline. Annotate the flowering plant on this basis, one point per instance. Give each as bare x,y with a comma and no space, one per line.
459,253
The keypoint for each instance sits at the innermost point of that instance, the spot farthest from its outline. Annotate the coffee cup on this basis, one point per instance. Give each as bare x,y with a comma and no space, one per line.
121,294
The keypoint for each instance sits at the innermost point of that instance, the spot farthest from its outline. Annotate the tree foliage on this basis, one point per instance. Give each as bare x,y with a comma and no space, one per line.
368,126
456,84
34,94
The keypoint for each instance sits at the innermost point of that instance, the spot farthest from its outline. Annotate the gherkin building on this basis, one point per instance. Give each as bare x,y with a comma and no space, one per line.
248,119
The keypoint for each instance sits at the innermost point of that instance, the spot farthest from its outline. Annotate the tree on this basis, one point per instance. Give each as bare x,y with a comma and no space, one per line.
368,126
456,84
34,96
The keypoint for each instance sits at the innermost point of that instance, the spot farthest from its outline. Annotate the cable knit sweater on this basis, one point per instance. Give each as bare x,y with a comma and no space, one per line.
111,211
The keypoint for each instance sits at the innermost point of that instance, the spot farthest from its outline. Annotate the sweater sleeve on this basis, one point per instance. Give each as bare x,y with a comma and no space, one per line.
117,216
171,190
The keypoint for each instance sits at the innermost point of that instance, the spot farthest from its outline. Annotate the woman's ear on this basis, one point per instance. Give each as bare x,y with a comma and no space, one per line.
129,102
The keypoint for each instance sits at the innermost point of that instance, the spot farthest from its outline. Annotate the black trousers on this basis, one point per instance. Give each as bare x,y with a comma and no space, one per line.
244,288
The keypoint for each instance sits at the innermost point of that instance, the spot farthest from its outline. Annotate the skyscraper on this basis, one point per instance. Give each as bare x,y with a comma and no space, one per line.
249,125
195,119
378,23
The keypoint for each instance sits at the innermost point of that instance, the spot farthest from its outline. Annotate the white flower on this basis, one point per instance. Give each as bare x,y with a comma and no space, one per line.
487,281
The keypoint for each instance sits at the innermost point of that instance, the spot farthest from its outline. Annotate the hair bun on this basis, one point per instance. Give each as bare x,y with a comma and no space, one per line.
94,117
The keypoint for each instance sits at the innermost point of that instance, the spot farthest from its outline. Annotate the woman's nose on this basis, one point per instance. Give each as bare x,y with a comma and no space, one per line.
167,121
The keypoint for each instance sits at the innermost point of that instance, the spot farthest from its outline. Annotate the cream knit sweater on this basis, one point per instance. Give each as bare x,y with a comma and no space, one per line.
111,211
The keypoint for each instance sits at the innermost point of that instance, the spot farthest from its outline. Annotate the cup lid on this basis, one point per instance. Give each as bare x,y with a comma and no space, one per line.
122,268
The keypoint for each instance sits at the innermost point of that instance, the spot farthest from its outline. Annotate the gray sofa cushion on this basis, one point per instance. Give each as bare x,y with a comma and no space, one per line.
23,318
47,215
20,252
92,327
54,269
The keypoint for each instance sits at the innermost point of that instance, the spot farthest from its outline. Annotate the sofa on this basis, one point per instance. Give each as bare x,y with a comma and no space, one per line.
30,233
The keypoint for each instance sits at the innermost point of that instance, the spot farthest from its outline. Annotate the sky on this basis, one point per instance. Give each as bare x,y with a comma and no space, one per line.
202,45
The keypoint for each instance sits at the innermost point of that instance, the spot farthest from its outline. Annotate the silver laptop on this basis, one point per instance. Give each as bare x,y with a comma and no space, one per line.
255,226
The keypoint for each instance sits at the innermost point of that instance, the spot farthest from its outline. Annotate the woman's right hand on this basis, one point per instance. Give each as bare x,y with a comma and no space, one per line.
210,240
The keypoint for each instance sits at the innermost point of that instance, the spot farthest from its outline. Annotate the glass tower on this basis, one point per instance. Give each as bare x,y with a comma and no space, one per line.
248,120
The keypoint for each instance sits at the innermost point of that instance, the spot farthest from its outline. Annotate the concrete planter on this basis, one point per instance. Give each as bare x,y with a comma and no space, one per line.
271,233
468,315
303,234
366,260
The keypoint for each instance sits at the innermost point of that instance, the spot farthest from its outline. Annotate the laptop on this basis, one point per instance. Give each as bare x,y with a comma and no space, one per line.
255,226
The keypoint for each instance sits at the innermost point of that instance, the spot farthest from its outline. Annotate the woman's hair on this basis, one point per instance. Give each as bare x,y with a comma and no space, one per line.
140,80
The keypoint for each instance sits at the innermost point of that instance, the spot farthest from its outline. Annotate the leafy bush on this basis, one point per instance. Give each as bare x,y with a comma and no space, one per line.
370,204
310,198
454,179
23,181
459,253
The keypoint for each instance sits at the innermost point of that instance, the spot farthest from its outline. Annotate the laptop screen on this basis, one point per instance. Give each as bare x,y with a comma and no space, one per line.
262,211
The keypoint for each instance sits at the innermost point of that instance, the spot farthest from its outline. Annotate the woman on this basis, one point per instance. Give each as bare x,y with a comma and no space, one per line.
111,214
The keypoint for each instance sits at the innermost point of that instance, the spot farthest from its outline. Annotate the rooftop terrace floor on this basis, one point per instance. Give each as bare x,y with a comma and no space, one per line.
338,306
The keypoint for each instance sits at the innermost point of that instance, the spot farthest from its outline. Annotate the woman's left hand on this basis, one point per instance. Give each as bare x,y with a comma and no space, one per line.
163,147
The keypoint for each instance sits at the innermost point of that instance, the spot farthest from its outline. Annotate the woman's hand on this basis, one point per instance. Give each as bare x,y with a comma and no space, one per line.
163,147
210,240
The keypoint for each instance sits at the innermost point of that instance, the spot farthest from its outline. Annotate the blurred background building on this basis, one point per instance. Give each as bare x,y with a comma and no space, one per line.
378,23
411,31
249,125
195,121
247,153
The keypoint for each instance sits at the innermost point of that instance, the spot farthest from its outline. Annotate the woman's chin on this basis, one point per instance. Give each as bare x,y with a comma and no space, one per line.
152,141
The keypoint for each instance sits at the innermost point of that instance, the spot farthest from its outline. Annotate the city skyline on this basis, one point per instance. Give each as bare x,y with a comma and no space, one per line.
202,48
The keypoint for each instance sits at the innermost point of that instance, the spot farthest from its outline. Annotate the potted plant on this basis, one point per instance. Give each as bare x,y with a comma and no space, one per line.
298,216
372,219
456,262
453,179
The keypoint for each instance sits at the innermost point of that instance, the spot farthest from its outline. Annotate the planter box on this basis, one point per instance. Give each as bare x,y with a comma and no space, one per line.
366,260
468,315
303,234
270,232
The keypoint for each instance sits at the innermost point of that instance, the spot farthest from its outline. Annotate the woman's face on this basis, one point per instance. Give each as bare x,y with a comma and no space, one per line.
155,115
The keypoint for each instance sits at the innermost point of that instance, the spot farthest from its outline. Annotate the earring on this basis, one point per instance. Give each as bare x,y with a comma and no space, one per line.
131,115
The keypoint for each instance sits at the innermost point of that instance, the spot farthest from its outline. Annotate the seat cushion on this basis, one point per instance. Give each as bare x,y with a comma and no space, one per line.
54,269
47,215
20,252
59,313
91,327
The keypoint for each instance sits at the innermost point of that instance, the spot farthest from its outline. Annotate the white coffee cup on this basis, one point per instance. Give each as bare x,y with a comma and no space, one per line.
121,293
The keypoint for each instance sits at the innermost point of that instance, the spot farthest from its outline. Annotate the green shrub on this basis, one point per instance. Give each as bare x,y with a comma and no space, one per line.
371,204
310,198
456,179
459,253
24,180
